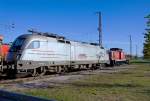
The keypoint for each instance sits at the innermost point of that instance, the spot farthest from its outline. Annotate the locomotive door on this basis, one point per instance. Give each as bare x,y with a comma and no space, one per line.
68,52
99,55
72,53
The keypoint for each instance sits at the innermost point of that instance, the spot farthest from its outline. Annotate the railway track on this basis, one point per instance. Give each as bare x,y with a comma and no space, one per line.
22,80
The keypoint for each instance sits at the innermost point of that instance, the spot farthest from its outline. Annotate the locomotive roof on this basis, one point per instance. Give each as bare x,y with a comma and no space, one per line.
115,49
54,36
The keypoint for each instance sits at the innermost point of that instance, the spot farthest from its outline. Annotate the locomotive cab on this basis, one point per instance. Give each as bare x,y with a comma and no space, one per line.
117,56
16,49
22,53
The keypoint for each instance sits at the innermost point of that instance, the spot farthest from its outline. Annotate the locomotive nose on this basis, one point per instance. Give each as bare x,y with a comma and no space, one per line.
15,49
11,57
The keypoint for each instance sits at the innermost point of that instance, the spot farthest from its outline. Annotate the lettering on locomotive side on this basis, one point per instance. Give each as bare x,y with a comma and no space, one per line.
82,56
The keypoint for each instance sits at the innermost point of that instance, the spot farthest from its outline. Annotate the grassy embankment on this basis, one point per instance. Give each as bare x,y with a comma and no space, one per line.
130,85
139,61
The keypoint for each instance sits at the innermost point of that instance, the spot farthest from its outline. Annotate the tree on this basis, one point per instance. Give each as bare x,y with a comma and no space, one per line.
146,49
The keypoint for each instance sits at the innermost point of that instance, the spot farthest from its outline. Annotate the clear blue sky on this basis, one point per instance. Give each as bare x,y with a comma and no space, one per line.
76,19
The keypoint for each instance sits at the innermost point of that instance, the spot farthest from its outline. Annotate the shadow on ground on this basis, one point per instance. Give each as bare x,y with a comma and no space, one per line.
105,85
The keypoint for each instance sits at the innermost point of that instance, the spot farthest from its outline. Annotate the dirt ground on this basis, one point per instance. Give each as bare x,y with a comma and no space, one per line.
61,79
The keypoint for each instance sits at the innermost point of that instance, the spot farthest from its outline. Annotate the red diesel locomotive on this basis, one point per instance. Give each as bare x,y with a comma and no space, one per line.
4,51
117,57
4,48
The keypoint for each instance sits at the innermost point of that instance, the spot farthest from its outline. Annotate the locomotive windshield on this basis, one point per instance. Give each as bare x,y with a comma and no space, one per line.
17,44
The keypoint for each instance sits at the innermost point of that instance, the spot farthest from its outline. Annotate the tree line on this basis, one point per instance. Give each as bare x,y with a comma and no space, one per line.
146,49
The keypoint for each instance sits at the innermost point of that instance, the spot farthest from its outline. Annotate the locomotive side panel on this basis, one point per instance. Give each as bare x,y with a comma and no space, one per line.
88,54
104,56
48,52
85,52
123,57
35,51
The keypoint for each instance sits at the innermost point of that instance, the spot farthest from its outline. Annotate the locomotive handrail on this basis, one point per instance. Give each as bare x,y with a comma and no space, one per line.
10,96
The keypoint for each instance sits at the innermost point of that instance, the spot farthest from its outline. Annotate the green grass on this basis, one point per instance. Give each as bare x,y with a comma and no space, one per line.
131,85
135,61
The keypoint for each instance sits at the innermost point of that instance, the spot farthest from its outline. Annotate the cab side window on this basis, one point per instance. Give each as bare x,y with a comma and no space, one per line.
34,45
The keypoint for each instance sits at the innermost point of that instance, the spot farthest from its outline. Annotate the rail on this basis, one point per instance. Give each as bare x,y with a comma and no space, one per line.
10,96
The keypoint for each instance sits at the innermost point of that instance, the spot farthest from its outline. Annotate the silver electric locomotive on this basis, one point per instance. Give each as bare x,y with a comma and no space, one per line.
38,53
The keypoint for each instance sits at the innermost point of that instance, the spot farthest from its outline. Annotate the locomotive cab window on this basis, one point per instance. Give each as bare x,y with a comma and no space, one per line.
17,44
34,45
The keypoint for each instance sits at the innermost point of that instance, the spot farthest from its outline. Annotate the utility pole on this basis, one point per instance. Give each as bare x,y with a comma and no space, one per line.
130,47
136,52
100,28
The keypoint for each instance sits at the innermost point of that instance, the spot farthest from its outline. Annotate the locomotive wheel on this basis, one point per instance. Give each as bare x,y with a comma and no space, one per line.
11,73
66,69
39,71
58,69
61,69
112,63
93,67
43,71
35,73
102,66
